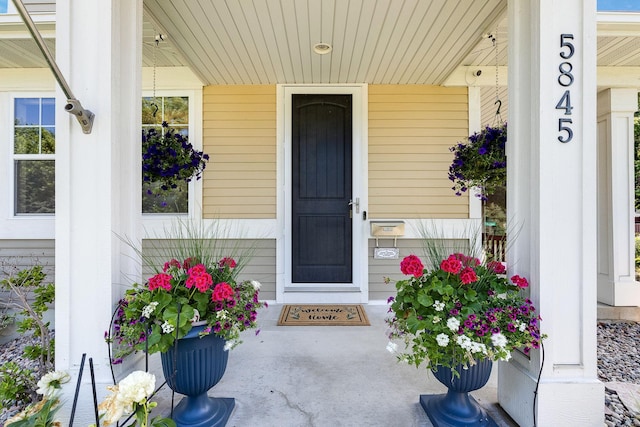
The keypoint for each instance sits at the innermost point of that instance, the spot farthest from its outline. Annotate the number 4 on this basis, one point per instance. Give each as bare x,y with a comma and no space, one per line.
565,103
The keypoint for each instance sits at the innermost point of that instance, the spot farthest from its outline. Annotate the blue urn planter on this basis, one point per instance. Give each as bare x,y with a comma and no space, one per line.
191,368
456,408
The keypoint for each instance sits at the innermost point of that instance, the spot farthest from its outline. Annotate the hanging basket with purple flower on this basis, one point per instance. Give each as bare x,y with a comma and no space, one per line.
480,162
168,158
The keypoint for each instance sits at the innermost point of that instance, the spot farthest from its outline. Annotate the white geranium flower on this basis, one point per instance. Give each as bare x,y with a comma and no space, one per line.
439,306
453,323
442,339
498,340
436,319
136,387
477,347
256,284
167,327
50,382
464,342
148,309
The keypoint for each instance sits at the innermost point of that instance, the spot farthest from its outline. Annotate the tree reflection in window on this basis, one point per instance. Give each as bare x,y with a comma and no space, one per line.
175,111
34,145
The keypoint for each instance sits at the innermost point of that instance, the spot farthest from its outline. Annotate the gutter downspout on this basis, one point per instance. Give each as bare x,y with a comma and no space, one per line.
73,106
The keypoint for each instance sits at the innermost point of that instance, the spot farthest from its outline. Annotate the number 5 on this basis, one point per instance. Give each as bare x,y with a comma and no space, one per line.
567,44
567,129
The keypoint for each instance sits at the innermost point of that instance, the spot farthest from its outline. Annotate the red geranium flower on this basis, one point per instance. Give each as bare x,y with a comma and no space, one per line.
412,266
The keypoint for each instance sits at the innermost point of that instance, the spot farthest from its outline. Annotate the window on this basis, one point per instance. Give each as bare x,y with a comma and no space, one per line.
175,111
34,146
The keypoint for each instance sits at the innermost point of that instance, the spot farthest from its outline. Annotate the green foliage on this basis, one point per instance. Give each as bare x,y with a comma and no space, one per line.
24,284
17,384
38,415
460,312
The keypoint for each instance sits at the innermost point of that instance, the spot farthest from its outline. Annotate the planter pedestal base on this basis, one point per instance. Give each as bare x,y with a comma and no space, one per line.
455,410
203,411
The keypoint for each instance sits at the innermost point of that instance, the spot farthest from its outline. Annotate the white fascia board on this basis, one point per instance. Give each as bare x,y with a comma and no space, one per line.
621,77
618,24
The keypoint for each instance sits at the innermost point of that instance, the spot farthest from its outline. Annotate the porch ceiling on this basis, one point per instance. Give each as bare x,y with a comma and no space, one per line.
382,42
374,41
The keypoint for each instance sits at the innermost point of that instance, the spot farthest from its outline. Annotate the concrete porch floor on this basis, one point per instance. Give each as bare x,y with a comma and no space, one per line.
331,376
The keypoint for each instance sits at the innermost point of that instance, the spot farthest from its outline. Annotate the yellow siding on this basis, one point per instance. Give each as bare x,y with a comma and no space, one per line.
239,133
410,131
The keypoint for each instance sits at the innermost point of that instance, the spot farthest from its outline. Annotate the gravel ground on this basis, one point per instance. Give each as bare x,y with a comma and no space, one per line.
618,362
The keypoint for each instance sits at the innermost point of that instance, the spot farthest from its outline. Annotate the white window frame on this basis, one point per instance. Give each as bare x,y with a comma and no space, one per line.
156,224
22,226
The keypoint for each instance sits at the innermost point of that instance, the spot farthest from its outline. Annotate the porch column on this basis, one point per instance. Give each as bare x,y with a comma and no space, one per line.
551,200
98,175
617,285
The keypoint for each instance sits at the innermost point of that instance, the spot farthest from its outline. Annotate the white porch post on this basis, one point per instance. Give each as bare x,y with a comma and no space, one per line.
98,47
552,197
616,251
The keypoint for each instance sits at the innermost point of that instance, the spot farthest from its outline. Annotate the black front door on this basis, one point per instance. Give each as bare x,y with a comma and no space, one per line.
321,189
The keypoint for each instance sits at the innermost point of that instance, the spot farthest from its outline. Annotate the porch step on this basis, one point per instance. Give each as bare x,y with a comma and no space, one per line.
608,312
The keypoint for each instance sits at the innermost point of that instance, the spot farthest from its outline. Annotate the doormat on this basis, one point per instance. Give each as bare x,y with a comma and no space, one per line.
323,315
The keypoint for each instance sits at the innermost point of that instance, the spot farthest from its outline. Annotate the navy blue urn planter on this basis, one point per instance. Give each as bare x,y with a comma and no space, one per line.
456,408
191,368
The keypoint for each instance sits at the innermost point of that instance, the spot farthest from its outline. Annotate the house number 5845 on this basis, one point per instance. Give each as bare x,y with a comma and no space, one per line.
565,79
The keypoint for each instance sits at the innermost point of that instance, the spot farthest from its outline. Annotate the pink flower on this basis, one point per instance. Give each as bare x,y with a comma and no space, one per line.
189,262
173,263
468,276
197,270
191,280
466,260
451,265
203,282
412,266
227,262
520,282
160,280
497,267
222,291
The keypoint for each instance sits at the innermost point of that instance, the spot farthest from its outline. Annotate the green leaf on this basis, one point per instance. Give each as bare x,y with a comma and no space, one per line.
424,298
414,324
162,422
470,294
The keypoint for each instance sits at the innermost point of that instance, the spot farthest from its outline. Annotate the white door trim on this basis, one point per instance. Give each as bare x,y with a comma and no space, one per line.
358,291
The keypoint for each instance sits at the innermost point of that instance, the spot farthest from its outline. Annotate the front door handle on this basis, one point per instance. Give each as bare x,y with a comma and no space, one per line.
356,204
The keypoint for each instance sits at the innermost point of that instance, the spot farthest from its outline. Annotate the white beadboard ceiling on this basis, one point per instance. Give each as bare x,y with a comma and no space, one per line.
374,41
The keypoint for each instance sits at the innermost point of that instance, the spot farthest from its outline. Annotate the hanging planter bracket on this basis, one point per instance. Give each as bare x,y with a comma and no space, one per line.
73,106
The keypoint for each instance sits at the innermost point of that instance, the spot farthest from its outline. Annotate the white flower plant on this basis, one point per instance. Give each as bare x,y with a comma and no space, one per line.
460,312
41,414
131,396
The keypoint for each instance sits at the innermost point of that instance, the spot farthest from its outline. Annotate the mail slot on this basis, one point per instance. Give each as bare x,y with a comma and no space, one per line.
387,228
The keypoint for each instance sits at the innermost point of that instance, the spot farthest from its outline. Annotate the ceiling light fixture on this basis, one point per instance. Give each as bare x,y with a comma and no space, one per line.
322,48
